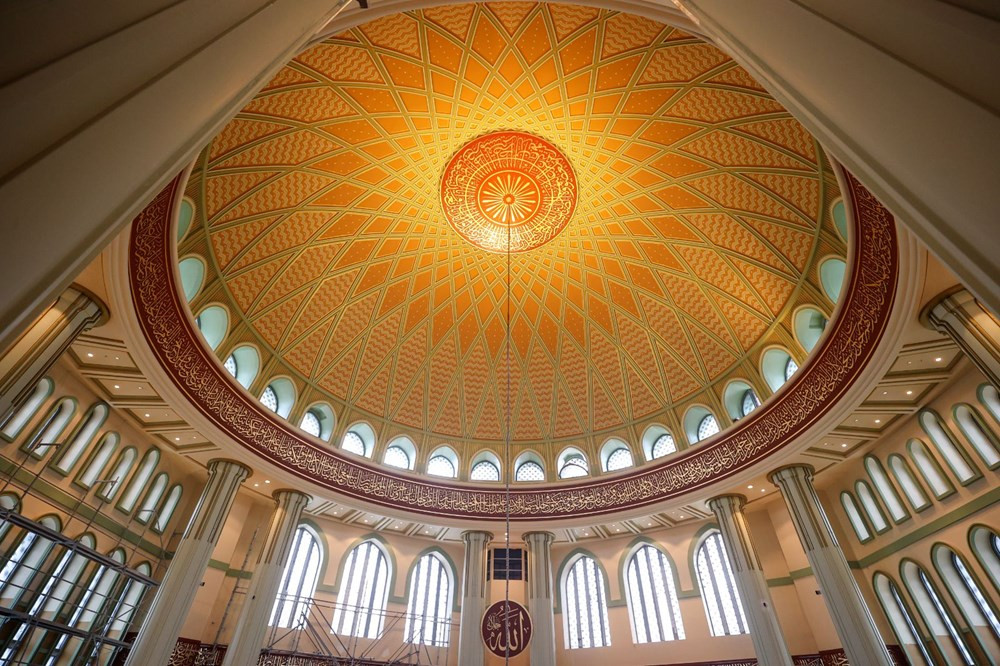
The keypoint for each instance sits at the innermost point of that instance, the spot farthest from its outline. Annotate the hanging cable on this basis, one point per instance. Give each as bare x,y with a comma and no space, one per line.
510,471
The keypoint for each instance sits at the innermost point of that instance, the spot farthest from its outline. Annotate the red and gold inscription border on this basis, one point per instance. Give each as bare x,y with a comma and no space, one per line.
815,389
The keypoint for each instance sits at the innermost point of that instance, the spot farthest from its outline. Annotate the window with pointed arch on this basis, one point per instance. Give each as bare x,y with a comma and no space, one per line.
791,367
428,612
707,427
24,562
440,465
573,467
353,443
484,470
585,605
970,598
936,616
986,547
96,602
364,590
529,471
395,456
901,619
718,588
310,423
620,458
749,402
652,597
663,445
27,411
298,581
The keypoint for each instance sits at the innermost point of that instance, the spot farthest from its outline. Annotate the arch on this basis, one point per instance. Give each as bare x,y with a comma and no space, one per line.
972,602
774,364
443,461
838,211
279,396
585,607
912,489
871,506
739,399
953,454
831,277
886,491
20,418
131,597
572,464
116,480
24,561
192,271
723,606
809,324
359,439
401,453
139,480
299,578
428,611
185,215
11,502
985,544
854,517
616,455
90,607
243,363
147,510
901,619
935,615
989,397
360,609
485,467
319,421
700,424
929,469
213,322
49,431
657,442
82,438
529,468
977,433
99,459
169,507
651,594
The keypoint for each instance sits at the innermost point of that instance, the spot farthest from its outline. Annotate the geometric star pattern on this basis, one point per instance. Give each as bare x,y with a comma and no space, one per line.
701,217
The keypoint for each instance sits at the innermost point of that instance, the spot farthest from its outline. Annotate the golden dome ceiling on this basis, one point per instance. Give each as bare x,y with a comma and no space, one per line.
701,214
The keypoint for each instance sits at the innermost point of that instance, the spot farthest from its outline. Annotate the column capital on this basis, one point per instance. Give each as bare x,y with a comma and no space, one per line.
949,300
291,494
471,537
546,538
76,290
731,502
803,471
222,465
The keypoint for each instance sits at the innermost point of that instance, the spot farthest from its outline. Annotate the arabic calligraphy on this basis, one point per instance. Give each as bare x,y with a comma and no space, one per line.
506,628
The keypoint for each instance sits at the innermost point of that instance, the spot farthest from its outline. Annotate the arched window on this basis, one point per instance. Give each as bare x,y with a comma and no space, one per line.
298,581
718,588
185,214
912,489
91,607
310,423
364,591
443,462
929,469
831,277
213,322
352,443
116,479
809,325
749,402
620,458
131,598
791,367
652,597
739,399
51,428
872,508
901,619
269,399
707,427
231,365
395,456
529,471
318,421
981,437
663,445
11,502
484,470
989,396
139,481
585,608
27,411
839,212
24,562
243,364
970,599
885,489
573,464
938,619
70,453
98,460
147,510
428,613
943,441
777,366
192,272
854,517
167,510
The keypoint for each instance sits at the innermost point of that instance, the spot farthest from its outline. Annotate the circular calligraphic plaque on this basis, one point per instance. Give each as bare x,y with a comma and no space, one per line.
506,628
508,187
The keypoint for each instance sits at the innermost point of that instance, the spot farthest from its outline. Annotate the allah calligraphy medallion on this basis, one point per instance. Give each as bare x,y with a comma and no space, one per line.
506,628
508,188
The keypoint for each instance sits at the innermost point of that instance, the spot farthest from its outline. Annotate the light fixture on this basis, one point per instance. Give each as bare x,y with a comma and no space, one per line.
937,360
909,393
116,386
843,446
267,481
878,420
177,439
147,415
750,486
90,354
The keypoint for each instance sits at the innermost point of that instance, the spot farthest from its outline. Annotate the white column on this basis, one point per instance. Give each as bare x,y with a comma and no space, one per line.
471,651
917,120
847,607
33,353
541,605
251,629
176,592
765,631
961,317
108,107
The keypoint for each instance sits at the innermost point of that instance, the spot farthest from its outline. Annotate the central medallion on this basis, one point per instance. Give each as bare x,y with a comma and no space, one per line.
508,190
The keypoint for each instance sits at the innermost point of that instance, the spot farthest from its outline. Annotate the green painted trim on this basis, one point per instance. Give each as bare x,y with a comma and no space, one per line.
51,385
937,592
456,604
229,571
56,463
987,431
390,554
916,481
913,441
68,502
781,581
936,549
575,554
92,456
976,472
693,547
846,495
627,554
